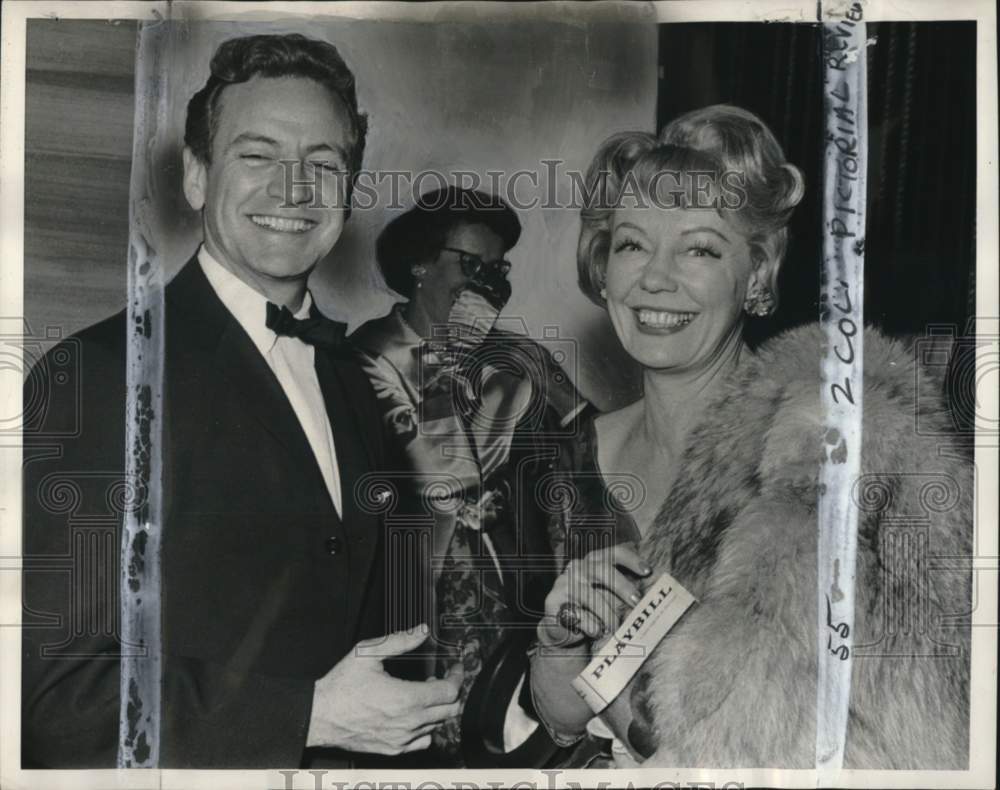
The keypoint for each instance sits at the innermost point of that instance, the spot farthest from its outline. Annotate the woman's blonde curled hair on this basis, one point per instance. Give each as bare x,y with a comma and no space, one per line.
720,138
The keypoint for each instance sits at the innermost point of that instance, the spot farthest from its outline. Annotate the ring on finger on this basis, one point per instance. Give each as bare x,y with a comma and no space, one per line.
569,617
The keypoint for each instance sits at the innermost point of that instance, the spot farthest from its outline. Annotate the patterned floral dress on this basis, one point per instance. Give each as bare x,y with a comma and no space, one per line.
479,431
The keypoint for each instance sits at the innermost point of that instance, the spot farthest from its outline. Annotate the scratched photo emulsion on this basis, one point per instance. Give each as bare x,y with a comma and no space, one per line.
504,391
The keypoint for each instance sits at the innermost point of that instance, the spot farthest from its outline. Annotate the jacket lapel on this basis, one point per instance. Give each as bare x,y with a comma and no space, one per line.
239,378
246,375
355,431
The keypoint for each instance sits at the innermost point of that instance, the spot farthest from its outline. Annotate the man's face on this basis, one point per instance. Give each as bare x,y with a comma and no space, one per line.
257,223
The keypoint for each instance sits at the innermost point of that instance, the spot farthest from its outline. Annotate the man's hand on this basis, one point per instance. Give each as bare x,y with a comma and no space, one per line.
359,707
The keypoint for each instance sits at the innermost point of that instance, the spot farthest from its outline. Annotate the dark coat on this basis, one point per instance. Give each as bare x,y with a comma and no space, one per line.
264,587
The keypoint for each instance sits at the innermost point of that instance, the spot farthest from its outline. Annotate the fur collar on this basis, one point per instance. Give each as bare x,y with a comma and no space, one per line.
735,683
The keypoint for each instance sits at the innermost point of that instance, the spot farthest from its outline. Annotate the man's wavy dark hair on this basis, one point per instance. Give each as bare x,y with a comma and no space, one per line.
241,59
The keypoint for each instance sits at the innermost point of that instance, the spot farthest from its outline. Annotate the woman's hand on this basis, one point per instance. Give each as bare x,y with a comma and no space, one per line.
590,596
585,603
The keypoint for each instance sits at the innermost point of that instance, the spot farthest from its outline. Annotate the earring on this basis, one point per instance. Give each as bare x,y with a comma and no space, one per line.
604,294
759,301
418,272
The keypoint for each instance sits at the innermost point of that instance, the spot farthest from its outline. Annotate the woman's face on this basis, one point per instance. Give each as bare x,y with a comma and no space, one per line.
444,279
676,280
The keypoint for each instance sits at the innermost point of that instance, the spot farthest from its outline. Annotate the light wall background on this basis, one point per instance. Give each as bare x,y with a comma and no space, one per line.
489,92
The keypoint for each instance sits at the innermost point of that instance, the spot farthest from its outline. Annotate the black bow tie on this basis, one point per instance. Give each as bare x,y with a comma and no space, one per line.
316,330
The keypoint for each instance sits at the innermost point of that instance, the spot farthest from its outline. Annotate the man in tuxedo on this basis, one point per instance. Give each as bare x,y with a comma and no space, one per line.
272,572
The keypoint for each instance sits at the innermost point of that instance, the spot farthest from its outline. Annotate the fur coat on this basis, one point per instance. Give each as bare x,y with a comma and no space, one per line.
734,683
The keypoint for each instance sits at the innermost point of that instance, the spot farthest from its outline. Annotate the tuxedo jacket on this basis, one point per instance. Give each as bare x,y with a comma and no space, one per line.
264,586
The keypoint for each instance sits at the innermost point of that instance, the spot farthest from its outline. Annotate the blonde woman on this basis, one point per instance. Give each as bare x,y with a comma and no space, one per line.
684,246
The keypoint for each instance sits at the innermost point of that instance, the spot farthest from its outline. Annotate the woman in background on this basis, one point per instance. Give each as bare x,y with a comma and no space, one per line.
479,414
713,473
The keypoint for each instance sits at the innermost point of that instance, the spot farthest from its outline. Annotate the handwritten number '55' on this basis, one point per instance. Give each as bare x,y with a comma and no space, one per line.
843,630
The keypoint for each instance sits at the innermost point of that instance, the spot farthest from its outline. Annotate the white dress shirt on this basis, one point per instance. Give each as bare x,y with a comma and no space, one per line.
292,361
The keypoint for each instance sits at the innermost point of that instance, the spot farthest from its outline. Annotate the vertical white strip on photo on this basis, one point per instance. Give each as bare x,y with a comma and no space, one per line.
841,300
139,717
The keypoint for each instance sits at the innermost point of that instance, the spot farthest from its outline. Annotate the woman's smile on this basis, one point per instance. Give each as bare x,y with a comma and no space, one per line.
660,322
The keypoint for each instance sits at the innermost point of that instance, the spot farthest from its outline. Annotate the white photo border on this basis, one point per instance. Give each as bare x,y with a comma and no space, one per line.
981,772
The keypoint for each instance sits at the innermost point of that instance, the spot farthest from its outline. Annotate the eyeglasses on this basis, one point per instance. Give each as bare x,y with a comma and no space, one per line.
473,264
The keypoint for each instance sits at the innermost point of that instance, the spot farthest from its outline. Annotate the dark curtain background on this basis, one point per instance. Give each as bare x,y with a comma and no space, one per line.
920,246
